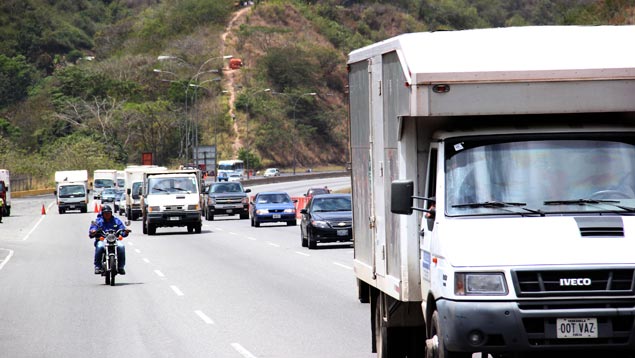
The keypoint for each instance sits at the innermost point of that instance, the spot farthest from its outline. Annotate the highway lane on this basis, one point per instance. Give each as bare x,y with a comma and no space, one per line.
232,291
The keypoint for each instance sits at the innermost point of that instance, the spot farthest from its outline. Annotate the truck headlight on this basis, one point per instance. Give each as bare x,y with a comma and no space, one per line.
490,283
211,201
245,200
154,208
192,207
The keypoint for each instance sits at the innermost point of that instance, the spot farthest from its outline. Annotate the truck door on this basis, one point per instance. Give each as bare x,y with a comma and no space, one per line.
377,222
427,223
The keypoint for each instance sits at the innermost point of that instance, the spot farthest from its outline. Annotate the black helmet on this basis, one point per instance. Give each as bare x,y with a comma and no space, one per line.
106,209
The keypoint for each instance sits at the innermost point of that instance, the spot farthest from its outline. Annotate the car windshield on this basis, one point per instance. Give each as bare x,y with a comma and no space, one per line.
273,199
539,176
331,204
317,191
227,188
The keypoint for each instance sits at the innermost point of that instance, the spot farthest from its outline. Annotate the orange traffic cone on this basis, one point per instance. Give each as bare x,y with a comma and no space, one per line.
96,209
43,210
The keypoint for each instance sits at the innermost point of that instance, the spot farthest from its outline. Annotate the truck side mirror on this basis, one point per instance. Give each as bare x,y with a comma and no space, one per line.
247,190
401,197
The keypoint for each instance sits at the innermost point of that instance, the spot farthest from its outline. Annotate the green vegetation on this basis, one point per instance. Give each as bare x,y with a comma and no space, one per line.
78,87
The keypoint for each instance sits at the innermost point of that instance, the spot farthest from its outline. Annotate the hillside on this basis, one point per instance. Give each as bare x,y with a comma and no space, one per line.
83,80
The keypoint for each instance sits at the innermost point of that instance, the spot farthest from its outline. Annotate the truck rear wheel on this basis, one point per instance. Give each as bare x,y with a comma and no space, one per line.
385,337
244,216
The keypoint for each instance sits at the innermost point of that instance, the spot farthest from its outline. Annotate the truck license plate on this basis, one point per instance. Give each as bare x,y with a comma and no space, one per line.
577,327
229,211
342,232
174,218
276,216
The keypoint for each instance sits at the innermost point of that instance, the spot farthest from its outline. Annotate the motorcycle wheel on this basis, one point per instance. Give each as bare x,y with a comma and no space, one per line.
113,272
107,275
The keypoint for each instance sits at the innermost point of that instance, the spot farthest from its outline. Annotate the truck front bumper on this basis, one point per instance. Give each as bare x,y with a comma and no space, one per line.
174,218
229,209
532,326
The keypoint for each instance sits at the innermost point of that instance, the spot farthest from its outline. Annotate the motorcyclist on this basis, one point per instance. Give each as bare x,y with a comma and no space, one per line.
106,221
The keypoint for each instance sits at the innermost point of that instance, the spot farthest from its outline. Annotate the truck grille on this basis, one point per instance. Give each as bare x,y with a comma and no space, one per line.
336,224
574,283
229,200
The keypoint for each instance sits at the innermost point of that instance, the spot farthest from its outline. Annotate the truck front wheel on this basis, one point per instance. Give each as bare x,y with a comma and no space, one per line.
438,349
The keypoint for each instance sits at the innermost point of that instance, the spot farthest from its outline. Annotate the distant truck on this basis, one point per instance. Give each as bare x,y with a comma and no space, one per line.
71,190
121,180
518,145
133,183
5,190
172,198
102,179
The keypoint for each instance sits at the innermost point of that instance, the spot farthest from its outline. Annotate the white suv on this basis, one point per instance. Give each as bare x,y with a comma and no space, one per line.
272,172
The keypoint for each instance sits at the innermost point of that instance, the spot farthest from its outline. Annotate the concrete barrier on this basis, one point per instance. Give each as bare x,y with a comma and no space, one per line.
25,193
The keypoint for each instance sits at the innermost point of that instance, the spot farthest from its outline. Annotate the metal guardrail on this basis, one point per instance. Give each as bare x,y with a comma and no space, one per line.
290,178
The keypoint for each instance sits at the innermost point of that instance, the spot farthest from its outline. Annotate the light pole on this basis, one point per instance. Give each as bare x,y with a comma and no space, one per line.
295,123
200,85
192,80
253,94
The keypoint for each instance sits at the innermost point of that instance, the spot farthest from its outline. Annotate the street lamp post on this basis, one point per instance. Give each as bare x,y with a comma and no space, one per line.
247,127
295,123
191,81
200,85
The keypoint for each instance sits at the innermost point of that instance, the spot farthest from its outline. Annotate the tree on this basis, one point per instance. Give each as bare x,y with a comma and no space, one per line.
16,77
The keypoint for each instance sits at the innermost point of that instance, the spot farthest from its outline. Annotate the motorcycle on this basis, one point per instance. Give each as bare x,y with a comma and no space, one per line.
109,260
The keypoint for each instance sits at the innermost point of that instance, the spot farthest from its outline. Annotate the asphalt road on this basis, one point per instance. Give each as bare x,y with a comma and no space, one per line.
231,291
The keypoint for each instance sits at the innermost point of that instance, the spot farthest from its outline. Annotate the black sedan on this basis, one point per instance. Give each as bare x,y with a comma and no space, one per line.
326,218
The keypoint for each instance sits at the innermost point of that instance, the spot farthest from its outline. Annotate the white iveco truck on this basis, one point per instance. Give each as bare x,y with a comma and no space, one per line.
516,149
171,198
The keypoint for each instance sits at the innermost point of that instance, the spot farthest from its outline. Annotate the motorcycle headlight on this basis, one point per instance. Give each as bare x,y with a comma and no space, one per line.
262,211
489,283
320,224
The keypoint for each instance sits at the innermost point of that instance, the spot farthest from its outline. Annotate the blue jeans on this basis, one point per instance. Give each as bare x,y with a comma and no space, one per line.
121,253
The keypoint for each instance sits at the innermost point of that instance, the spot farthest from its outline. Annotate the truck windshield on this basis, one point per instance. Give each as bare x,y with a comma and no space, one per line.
550,175
71,190
175,185
104,183
227,188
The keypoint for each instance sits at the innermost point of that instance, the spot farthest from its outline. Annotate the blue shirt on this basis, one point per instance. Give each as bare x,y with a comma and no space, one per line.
113,224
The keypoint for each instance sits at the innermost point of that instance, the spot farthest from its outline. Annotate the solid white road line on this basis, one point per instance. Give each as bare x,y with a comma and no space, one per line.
6,258
342,265
159,273
302,253
33,229
177,291
243,352
204,317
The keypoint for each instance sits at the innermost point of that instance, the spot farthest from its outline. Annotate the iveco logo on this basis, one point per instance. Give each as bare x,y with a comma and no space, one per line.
575,282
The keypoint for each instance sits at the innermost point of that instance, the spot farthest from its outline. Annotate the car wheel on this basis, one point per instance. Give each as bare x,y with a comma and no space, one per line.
303,239
244,216
311,241
256,222
198,228
152,229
